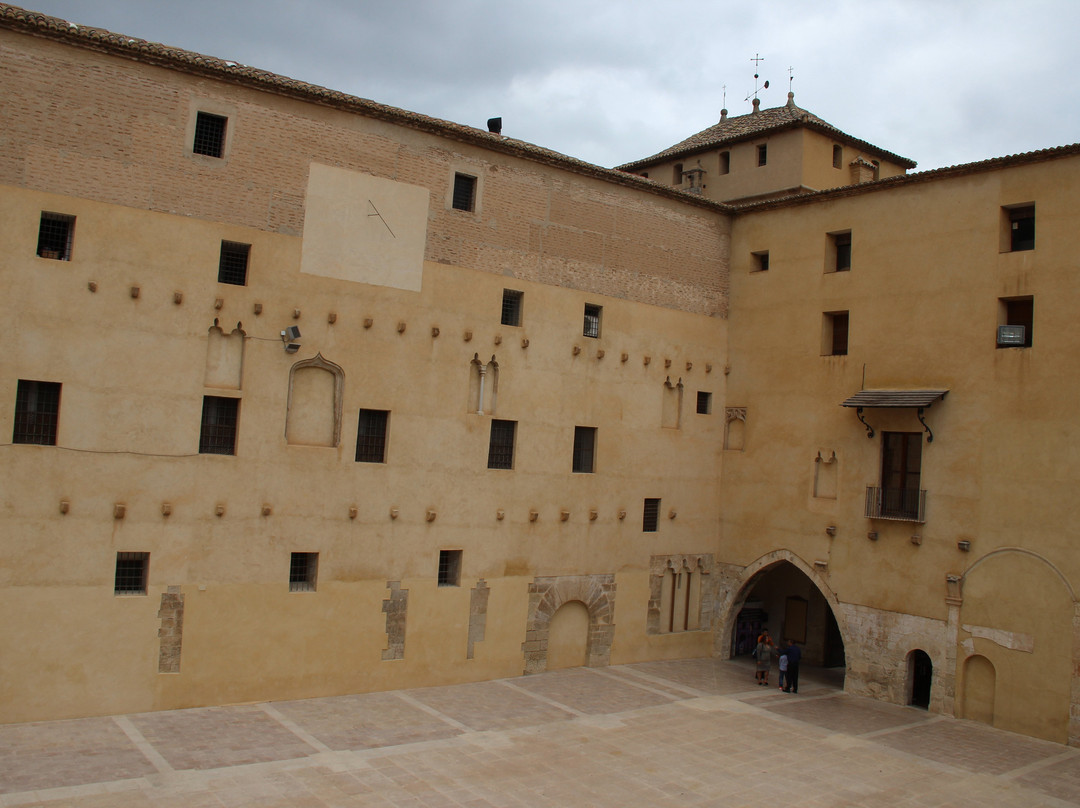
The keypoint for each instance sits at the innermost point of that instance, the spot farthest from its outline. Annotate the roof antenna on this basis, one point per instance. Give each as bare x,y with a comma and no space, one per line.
757,60
723,111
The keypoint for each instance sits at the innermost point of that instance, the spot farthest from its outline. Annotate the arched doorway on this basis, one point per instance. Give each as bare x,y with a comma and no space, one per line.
980,684
568,637
780,595
920,676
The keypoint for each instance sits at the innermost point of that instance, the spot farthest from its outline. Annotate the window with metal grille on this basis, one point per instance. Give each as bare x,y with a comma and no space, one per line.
704,402
132,570
303,572
371,436
762,154
464,192
233,264
650,515
834,333
501,445
592,320
1022,228
37,412
218,433
450,567
209,135
584,449
511,307
55,236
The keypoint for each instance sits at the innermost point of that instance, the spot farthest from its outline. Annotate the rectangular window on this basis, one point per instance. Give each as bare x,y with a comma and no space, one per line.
371,436
464,192
209,135
837,156
233,264
584,449
1021,228
219,418
834,333
838,258
303,572
592,320
56,233
725,162
501,444
762,154
704,402
511,307
677,174
132,572
450,567
901,468
37,412
761,261
650,515
1016,322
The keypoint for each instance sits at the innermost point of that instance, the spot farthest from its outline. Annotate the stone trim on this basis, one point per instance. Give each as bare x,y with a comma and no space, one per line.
171,632
396,609
703,562
478,603
547,594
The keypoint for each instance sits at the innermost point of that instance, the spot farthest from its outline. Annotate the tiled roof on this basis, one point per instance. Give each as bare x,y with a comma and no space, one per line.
743,127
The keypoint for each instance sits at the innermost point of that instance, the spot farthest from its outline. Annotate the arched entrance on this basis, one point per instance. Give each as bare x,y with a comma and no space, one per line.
781,593
920,676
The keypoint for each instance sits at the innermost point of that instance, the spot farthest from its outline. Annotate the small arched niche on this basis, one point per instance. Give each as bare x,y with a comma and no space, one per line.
224,358
315,398
483,385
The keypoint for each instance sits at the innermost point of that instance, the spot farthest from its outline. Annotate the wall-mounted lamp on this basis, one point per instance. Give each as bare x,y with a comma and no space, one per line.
287,336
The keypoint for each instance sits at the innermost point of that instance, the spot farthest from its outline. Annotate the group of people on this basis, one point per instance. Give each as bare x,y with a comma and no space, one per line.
789,662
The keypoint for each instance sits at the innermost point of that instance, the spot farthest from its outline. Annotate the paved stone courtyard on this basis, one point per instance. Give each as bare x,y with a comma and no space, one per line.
680,733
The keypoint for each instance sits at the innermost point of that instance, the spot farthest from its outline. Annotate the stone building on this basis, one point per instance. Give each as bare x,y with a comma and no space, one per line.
309,395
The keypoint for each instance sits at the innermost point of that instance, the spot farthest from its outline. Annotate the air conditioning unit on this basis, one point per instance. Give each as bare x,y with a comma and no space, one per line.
1011,334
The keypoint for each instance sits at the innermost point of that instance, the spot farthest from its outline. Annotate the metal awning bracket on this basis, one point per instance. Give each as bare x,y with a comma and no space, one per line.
929,434
870,429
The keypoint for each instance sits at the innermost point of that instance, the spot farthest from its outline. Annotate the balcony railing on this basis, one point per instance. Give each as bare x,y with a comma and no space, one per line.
898,504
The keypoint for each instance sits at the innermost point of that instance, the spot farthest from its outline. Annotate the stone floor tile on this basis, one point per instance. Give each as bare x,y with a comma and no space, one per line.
489,705
841,713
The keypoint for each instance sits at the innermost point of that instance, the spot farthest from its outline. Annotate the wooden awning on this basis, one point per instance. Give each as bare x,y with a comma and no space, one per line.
894,398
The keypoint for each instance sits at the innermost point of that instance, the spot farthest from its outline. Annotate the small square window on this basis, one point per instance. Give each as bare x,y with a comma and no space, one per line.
371,436
592,320
834,333
303,572
650,515
761,261
464,192
450,567
762,154
132,571
725,162
839,252
37,412
511,307
219,418
1016,322
233,264
704,402
209,135
837,156
501,444
1021,224
584,449
56,234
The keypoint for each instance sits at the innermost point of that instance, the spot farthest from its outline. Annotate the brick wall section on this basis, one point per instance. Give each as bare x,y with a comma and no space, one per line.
116,130
478,603
171,632
396,608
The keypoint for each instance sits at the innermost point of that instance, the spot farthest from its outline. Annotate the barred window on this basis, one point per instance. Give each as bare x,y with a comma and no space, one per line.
704,402
37,412
592,320
132,571
650,516
219,418
464,192
371,436
303,572
450,567
55,236
584,449
233,263
209,135
501,445
511,307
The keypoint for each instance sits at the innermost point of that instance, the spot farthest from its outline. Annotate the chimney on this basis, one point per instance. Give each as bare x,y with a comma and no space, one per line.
495,126
757,106
861,171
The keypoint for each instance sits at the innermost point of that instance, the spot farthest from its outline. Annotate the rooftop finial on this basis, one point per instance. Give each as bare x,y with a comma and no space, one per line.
790,93
723,112
757,61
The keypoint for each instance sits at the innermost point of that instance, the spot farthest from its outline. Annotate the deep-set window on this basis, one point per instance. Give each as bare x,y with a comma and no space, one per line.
834,337
56,234
501,444
371,436
233,263
37,412
584,449
132,571
450,567
650,515
592,320
511,307
1021,228
303,572
464,192
219,419
209,135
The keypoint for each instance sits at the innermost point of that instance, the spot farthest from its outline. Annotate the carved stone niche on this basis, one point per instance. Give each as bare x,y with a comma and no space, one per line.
313,417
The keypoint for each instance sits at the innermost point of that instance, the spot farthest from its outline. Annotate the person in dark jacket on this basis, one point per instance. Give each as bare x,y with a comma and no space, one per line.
794,654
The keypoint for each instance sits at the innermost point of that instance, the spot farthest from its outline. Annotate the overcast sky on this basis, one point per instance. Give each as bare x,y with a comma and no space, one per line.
609,81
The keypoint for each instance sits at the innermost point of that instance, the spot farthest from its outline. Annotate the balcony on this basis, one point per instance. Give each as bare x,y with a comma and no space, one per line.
896,504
